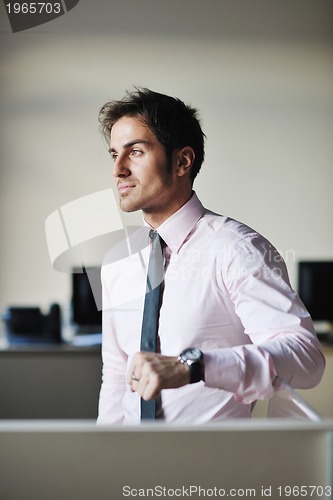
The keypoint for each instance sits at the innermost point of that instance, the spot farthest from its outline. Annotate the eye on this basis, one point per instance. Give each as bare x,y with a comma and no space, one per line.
114,156
136,152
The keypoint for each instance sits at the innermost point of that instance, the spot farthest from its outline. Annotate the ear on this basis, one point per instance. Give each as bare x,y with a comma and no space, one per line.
184,160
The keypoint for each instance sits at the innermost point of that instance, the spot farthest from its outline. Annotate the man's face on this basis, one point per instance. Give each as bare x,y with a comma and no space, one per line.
140,168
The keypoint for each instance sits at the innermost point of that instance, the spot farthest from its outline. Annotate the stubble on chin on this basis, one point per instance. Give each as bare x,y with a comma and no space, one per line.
127,205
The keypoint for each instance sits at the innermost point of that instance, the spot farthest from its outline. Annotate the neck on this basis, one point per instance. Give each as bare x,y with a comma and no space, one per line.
155,219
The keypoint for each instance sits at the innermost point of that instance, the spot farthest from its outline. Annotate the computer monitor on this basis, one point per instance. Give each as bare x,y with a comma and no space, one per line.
315,288
86,316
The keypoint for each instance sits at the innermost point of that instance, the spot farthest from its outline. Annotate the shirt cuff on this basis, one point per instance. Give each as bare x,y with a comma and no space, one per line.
246,371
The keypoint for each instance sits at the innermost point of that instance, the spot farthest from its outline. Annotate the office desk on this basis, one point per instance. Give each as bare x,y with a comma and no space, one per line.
257,459
49,382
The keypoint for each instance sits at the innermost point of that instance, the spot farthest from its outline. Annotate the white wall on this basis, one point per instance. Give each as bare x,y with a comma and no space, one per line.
266,105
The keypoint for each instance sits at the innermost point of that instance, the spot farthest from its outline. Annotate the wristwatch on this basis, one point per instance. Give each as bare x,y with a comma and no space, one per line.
193,358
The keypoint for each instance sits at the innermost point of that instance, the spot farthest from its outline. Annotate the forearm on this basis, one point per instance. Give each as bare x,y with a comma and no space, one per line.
110,409
113,388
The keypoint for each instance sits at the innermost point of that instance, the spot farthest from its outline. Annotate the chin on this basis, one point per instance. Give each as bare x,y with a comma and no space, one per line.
129,207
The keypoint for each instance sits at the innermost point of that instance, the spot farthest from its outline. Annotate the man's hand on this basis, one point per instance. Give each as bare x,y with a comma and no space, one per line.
149,373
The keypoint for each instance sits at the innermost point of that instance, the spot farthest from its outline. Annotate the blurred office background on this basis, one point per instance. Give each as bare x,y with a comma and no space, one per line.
259,71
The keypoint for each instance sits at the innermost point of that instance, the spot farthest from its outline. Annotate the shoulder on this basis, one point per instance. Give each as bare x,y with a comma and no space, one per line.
236,243
228,230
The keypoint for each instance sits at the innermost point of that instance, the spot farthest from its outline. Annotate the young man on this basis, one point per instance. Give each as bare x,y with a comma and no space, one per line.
230,328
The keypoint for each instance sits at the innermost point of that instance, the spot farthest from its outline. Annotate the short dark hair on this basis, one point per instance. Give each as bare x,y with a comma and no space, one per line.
173,123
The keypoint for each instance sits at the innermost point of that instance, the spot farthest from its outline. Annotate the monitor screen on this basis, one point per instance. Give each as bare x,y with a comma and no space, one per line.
84,309
315,288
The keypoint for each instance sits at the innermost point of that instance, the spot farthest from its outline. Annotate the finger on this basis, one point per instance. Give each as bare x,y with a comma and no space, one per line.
142,383
134,369
134,385
152,388
134,381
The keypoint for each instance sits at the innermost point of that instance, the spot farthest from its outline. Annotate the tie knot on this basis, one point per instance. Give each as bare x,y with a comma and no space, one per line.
157,241
153,234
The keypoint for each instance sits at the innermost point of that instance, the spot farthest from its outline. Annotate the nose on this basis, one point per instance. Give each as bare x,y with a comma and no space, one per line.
121,168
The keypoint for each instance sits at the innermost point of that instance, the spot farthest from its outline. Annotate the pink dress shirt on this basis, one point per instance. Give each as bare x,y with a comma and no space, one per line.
227,292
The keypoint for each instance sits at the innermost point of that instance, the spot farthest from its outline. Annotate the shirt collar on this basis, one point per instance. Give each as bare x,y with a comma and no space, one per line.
175,229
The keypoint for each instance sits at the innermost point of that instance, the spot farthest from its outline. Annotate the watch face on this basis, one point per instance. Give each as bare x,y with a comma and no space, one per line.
192,354
193,358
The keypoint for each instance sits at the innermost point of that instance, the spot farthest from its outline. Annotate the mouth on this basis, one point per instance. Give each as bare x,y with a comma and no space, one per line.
125,188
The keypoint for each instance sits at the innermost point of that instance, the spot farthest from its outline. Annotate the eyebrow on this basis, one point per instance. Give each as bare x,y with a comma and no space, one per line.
129,144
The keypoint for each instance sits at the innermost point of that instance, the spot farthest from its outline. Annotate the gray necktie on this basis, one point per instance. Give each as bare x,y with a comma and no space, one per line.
151,311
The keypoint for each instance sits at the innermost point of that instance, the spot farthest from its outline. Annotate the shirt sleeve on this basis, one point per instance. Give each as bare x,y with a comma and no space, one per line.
114,367
284,345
